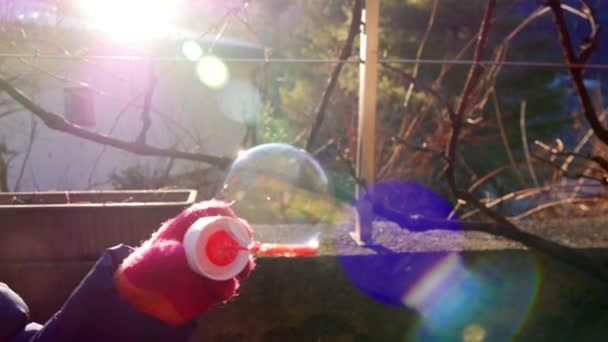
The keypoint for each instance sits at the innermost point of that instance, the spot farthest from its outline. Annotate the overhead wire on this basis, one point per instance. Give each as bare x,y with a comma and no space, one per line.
175,59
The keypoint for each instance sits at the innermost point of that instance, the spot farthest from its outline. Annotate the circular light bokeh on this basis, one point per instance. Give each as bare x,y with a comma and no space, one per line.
420,262
389,276
489,298
240,101
213,72
192,51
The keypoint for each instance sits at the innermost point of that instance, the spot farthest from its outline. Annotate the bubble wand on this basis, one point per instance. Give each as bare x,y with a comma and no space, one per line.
218,247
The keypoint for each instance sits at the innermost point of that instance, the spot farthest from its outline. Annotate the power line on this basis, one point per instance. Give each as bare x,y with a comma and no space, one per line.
138,58
502,63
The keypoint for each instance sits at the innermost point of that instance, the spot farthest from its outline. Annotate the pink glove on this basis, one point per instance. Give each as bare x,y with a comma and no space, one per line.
157,280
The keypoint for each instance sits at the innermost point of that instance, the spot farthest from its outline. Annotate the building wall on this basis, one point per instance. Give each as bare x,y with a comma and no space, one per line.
185,114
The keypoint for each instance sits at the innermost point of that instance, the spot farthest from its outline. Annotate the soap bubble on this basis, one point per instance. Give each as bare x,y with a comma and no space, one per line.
277,184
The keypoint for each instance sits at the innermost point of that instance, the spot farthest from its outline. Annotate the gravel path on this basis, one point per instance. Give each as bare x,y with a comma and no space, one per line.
577,233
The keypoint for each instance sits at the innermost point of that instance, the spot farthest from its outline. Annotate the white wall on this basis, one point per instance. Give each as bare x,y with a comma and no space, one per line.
59,161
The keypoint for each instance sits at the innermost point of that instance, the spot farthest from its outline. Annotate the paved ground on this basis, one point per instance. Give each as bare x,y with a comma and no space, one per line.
579,233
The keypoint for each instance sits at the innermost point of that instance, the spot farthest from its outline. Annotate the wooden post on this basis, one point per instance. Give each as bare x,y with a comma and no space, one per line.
366,134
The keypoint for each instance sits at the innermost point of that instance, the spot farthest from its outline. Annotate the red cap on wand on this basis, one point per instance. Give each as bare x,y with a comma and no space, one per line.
218,247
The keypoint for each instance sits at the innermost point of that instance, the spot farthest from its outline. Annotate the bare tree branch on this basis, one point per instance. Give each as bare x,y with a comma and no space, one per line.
426,88
456,117
421,45
406,128
352,171
593,39
571,58
505,140
519,195
445,68
524,141
56,122
422,148
582,142
600,161
331,84
504,227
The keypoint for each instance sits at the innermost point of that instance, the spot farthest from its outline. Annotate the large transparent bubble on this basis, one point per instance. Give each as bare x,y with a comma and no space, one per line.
277,184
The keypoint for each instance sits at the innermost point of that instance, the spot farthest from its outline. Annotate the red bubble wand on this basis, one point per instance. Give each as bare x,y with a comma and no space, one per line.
222,248
218,247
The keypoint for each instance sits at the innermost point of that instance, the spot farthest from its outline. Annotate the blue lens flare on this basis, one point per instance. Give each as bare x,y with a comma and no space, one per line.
482,294
459,294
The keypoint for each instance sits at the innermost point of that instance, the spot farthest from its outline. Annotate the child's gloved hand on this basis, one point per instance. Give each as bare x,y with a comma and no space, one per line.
157,279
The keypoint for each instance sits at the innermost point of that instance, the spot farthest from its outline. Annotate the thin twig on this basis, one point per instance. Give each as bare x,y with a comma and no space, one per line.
63,79
475,185
422,148
3,174
222,24
105,147
456,117
9,112
352,171
600,161
333,79
421,46
28,151
145,112
406,128
524,141
426,88
323,147
552,204
593,39
584,140
505,140
167,173
519,195
568,174
445,68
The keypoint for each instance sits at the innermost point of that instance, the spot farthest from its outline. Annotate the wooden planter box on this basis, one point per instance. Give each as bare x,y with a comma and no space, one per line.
47,226
50,240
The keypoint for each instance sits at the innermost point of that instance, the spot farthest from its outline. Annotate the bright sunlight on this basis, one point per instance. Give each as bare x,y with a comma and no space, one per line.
132,20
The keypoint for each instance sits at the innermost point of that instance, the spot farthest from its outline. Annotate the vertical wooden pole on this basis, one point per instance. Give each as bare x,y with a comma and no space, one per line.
366,134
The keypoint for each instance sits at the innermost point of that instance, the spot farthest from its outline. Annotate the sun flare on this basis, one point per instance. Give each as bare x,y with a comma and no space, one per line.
132,19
